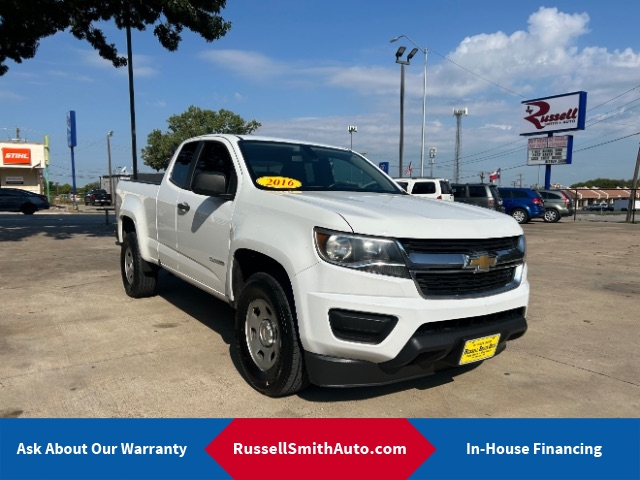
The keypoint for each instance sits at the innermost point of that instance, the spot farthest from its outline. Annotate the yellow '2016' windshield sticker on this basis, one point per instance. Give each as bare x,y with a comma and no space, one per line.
279,182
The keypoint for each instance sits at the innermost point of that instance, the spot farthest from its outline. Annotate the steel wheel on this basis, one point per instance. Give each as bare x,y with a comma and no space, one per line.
129,269
271,356
262,334
139,277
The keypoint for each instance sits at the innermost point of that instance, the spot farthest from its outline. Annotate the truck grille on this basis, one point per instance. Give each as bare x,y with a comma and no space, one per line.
459,245
464,268
462,283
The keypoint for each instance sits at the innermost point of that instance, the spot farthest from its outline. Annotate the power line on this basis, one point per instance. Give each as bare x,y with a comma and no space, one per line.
477,75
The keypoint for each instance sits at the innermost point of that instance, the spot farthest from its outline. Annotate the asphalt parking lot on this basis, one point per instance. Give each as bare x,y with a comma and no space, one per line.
72,344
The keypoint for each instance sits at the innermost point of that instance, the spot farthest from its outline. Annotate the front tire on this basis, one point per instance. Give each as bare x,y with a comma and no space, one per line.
552,216
520,215
267,339
138,276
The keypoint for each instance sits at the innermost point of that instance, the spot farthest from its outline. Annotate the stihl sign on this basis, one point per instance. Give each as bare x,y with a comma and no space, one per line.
554,114
16,156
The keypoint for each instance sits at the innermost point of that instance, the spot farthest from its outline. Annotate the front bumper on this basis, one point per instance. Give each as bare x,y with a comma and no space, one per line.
431,348
386,330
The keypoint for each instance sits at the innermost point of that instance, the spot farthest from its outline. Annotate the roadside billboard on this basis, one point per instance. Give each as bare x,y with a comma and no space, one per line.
550,150
559,113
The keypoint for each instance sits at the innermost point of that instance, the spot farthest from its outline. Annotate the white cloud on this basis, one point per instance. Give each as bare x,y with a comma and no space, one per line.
247,64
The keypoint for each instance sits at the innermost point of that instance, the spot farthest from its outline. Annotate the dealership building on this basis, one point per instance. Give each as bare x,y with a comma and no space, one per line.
22,165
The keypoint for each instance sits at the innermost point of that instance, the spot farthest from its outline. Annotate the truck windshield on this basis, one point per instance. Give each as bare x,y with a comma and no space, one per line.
302,167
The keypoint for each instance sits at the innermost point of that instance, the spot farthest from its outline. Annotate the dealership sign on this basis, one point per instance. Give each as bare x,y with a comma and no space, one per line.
559,113
550,150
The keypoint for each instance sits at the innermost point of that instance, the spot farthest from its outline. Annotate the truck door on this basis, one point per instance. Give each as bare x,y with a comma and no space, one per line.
177,179
204,223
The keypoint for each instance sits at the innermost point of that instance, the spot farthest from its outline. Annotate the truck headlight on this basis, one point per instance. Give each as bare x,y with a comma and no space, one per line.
522,246
367,254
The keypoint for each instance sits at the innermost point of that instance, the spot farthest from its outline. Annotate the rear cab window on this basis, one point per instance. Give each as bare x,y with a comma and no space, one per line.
424,188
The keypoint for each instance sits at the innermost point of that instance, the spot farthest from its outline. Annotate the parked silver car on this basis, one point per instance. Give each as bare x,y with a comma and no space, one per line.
18,200
557,204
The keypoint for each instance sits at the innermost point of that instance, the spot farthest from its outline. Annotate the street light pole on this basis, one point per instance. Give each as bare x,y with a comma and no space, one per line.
111,190
424,97
402,63
432,158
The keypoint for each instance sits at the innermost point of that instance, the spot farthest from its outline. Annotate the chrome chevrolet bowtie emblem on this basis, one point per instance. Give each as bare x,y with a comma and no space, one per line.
479,263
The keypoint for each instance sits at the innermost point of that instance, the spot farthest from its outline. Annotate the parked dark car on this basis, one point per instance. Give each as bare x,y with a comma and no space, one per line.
523,204
557,204
600,207
481,194
18,200
97,196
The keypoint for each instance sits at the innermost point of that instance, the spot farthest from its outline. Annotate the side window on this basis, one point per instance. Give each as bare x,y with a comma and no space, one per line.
214,157
445,188
458,191
505,193
403,185
424,187
546,195
477,191
520,194
182,166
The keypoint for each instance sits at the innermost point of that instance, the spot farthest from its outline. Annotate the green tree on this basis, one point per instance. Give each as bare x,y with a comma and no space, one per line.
191,123
89,186
23,23
603,183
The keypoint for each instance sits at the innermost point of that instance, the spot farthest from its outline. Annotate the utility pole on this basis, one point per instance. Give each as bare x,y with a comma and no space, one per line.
481,177
458,112
634,190
111,189
520,179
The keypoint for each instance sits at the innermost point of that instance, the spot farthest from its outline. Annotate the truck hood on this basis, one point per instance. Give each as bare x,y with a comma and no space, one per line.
406,216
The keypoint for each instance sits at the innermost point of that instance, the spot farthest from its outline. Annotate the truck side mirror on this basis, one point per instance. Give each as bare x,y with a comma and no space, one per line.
212,184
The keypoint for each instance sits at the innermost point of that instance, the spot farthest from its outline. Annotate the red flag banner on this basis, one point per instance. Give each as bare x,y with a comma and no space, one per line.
409,170
319,448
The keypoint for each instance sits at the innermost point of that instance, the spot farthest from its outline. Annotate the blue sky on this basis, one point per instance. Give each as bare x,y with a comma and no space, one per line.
309,69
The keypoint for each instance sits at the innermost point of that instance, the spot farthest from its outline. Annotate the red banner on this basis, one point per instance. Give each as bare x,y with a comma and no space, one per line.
317,448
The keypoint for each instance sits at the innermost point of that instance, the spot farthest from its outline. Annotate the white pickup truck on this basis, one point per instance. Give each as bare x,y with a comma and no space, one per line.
338,277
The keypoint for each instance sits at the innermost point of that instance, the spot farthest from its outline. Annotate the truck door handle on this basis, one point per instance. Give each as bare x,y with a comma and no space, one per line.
183,207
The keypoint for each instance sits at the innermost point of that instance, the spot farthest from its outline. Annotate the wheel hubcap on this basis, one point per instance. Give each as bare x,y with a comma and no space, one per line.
262,334
128,265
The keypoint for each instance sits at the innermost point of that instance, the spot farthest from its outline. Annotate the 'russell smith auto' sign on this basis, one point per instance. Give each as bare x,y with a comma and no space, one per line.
559,113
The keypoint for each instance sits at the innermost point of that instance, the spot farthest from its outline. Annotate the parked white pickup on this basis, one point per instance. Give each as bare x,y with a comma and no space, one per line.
338,277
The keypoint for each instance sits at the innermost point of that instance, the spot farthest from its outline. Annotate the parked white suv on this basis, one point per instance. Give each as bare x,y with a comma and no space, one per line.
437,188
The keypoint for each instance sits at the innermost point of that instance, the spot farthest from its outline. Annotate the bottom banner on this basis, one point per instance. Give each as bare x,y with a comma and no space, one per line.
320,449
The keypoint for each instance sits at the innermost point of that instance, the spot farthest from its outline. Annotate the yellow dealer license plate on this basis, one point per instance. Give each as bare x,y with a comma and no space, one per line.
479,349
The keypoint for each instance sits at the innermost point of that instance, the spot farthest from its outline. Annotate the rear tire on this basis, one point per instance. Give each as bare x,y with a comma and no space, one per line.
520,215
139,277
270,353
551,215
